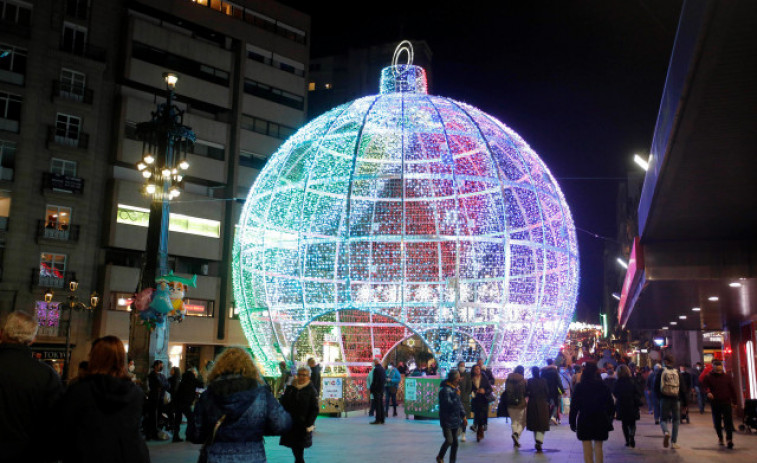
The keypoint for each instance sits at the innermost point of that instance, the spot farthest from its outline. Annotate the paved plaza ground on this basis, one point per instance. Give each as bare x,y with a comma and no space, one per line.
342,440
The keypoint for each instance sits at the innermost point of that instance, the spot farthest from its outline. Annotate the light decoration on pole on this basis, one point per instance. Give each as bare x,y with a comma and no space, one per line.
405,214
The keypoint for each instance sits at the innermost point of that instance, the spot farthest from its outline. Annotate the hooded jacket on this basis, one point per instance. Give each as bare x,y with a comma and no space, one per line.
100,417
251,412
451,411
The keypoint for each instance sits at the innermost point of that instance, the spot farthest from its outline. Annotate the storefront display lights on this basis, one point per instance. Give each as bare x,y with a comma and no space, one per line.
418,211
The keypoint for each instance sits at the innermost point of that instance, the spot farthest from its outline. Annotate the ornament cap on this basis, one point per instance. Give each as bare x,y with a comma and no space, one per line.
403,78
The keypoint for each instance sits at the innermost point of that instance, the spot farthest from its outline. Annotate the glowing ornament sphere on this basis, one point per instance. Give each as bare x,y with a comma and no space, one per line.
405,214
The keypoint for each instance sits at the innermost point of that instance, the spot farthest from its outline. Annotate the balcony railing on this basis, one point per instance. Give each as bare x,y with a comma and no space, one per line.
50,278
64,183
88,51
72,92
81,140
63,232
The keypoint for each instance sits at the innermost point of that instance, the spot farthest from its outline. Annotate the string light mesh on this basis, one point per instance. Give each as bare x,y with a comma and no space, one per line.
404,214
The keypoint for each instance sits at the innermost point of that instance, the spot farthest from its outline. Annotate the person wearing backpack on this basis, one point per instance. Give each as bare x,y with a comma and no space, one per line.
668,386
515,398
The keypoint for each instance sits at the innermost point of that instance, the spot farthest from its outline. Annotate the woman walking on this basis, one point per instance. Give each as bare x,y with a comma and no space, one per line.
537,412
100,413
236,409
591,410
482,390
301,401
628,401
515,395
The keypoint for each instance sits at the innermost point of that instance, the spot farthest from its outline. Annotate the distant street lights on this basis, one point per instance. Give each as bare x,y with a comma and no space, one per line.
72,304
166,141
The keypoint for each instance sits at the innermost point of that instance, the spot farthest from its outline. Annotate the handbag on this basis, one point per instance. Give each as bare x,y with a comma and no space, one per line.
490,397
203,458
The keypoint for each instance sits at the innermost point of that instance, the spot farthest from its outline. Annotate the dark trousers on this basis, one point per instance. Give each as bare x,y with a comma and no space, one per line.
151,419
722,413
178,411
299,454
378,399
480,410
450,442
629,429
393,398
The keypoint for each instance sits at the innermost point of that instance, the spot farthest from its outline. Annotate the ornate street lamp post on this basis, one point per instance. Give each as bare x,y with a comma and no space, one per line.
165,143
72,304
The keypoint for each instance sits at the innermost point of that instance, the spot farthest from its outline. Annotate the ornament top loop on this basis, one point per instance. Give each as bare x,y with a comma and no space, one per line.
404,46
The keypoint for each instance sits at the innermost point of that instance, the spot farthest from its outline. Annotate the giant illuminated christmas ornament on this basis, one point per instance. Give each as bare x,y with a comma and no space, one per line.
405,214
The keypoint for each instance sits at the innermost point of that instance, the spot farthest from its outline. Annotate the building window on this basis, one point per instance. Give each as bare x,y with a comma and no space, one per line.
262,126
72,84
10,111
311,87
52,270
63,167
48,316
199,307
264,56
209,149
7,159
327,86
178,63
121,301
77,8
131,215
13,66
16,12
74,38
274,94
67,129
250,159
57,223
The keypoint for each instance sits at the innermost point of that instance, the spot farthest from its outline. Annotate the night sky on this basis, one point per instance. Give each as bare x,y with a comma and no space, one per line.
580,81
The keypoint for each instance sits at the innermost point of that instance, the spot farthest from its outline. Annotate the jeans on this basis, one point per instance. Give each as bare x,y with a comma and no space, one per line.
393,398
668,406
700,398
650,405
656,405
450,441
554,407
722,413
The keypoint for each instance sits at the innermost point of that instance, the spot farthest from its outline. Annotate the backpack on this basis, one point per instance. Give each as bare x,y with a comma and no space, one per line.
513,394
669,382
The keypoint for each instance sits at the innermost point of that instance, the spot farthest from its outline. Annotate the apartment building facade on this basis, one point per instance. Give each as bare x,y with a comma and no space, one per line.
92,70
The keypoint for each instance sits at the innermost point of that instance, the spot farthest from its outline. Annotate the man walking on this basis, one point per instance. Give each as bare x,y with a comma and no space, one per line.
315,376
668,385
722,393
378,383
451,415
28,391
157,385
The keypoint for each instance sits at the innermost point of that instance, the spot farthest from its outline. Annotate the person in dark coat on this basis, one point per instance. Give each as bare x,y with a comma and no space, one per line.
480,404
515,398
100,413
591,411
451,415
466,389
28,391
552,375
242,409
627,403
315,375
722,393
184,398
537,411
157,385
378,383
300,399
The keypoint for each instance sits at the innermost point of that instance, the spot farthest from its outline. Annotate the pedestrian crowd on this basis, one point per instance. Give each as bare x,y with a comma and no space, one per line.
106,411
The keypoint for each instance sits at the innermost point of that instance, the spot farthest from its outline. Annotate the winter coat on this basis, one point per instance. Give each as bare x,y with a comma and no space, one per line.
516,383
393,378
628,400
537,413
722,388
315,378
479,401
302,404
552,376
187,390
451,411
466,388
591,410
28,391
100,417
251,412
379,380
157,385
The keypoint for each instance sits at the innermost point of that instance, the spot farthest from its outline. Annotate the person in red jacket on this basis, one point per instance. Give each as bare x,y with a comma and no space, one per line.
722,393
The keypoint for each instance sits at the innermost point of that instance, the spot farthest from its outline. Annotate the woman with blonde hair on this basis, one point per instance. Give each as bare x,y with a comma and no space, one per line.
101,411
235,412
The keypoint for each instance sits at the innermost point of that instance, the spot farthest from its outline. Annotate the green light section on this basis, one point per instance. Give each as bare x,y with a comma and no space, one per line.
140,217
